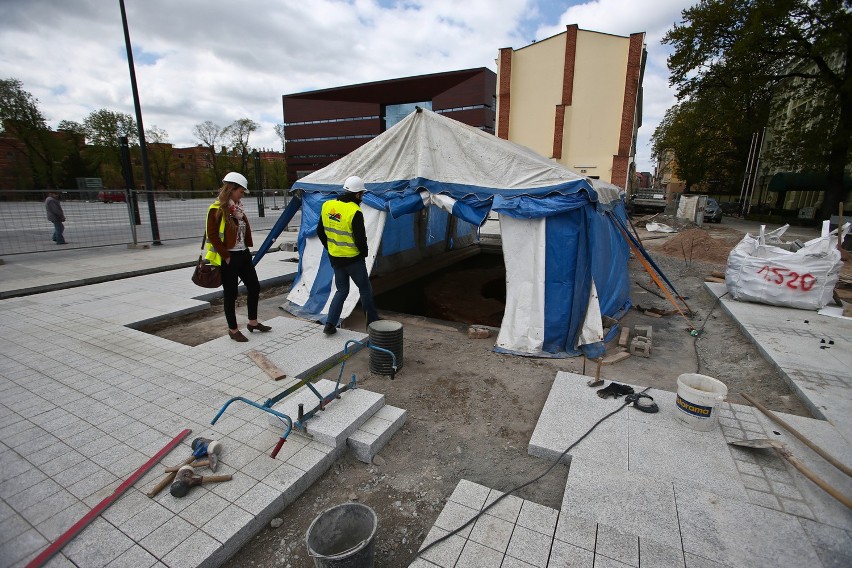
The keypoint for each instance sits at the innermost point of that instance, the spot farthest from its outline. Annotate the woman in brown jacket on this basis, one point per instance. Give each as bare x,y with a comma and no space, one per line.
229,239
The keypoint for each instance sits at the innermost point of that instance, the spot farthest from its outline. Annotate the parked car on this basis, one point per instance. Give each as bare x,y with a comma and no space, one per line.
712,211
112,197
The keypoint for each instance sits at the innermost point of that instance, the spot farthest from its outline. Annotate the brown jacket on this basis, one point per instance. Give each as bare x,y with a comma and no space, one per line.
213,223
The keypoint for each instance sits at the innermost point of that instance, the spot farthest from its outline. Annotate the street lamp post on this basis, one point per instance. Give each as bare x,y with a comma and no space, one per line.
143,150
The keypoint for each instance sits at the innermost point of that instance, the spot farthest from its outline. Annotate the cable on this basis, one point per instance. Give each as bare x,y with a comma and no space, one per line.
696,333
530,482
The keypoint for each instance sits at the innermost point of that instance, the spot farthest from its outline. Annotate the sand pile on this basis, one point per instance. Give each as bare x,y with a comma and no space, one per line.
697,244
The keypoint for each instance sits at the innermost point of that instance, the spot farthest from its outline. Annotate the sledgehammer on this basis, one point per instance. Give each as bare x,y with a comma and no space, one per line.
185,480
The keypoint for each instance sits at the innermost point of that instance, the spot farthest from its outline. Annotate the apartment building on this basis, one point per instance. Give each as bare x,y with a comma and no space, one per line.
577,98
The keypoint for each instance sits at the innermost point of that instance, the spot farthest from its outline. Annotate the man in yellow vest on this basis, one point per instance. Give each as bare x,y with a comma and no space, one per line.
342,232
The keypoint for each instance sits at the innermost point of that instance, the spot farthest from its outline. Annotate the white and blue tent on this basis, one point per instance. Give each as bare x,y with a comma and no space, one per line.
431,183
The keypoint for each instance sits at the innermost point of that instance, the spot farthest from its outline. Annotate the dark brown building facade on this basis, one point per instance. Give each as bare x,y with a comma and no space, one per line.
323,126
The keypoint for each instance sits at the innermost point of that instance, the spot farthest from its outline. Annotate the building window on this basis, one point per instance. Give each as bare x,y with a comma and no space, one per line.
395,113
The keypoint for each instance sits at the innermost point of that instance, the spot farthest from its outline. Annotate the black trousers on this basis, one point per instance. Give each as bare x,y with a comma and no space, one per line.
240,268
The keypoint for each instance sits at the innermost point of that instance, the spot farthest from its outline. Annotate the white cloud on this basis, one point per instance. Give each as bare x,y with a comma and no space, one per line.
219,60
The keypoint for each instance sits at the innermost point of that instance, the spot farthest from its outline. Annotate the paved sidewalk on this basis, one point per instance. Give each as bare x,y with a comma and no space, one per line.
87,400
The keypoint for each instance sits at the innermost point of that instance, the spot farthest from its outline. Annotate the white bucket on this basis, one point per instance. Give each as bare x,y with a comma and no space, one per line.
698,398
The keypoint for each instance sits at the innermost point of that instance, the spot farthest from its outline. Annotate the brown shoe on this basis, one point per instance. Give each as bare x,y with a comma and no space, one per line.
237,336
259,327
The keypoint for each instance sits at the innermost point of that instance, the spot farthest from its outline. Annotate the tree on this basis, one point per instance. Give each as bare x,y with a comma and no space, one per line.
159,156
770,43
209,134
103,128
21,119
279,130
239,132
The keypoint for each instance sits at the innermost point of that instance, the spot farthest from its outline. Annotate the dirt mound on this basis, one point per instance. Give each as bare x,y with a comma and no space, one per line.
697,244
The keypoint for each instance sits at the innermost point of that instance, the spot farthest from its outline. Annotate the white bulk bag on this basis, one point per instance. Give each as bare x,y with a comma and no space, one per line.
804,279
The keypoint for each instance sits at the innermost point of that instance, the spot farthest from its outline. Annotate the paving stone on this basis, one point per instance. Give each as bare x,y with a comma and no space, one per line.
655,555
538,518
228,523
24,546
454,515
507,508
470,494
511,562
589,495
446,553
492,532
193,551
134,557
97,545
530,546
741,534
617,545
475,555
565,555
165,538
576,531
371,437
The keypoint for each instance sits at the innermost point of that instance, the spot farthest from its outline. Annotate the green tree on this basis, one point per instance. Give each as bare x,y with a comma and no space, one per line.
767,44
21,119
103,128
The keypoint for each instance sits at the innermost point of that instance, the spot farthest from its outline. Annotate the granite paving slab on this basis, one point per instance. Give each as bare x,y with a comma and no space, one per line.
812,351
88,399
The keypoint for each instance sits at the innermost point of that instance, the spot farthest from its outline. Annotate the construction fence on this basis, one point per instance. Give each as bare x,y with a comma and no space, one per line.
97,219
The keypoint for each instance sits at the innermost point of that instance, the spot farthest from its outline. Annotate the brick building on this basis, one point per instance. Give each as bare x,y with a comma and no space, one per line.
577,98
322,126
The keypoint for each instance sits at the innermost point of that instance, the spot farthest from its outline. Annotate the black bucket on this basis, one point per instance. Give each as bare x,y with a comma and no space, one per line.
343,537
386,334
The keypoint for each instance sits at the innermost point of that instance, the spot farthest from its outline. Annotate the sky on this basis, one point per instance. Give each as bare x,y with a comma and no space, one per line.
217,60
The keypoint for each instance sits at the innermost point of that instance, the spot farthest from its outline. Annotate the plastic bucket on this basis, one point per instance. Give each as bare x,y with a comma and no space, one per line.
698,398
343,537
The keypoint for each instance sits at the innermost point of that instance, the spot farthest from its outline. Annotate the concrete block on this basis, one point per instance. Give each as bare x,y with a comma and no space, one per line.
643,331
340,419
640,346
371,437
624,337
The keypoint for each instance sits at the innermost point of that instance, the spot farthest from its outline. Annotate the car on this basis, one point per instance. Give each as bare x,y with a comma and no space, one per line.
112,197
712,211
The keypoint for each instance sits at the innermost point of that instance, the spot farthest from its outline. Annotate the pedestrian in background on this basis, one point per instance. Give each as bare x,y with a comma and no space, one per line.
228,242
342,232
56,216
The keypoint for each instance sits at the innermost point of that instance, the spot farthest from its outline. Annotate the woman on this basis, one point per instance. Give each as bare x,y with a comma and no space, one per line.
228,242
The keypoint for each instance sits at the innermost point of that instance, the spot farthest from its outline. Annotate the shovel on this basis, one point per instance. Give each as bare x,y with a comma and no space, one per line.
784,452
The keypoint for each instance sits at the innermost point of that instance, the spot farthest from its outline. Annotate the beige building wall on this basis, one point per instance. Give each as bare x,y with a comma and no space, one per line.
574,97
593,121
536,89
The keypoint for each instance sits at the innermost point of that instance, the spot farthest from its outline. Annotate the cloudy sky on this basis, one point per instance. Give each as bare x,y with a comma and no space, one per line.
218,60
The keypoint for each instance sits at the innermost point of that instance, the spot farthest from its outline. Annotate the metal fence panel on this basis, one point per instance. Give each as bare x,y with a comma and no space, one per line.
91,222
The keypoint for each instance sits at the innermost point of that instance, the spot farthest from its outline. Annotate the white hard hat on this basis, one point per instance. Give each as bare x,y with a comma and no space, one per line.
236,178
354,184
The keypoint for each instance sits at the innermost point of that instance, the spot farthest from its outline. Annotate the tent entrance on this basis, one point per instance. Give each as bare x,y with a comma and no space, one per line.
471,290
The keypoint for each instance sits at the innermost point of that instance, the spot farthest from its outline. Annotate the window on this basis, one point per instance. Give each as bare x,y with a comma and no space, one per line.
395,113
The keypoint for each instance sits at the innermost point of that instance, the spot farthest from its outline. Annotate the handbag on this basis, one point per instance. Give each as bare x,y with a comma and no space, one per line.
206,275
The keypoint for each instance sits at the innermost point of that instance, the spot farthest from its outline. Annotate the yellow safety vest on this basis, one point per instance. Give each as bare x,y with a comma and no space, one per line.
214,257
337,221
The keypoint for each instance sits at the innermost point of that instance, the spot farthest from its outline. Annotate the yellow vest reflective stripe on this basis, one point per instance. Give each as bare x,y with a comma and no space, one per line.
214,257
337,219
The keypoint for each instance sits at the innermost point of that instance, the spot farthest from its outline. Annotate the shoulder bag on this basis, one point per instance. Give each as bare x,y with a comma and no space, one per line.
206,275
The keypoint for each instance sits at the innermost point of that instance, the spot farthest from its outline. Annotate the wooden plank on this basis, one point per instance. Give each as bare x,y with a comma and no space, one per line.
268,366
